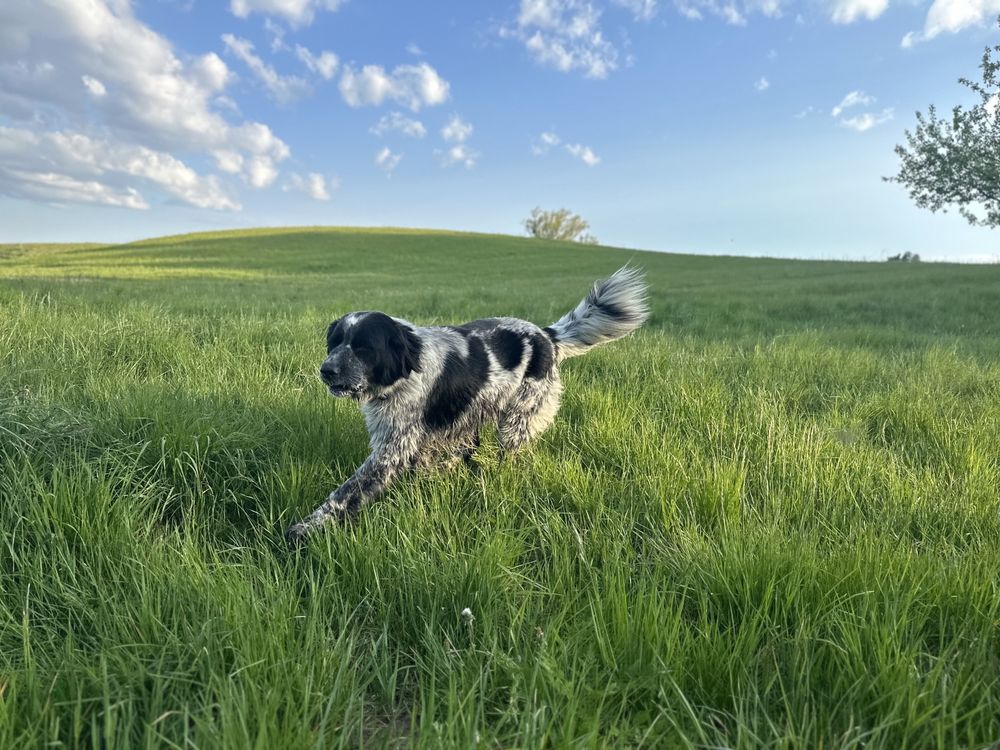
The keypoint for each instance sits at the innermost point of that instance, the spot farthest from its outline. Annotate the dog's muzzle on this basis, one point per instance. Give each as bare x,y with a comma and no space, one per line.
336,382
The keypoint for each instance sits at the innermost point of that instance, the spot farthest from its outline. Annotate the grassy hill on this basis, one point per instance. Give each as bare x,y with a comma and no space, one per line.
771,517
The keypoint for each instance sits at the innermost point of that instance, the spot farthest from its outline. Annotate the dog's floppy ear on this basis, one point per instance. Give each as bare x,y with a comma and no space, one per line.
410,349
399,356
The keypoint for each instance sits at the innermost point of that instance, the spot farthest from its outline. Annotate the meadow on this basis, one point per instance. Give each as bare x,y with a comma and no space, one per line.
769,519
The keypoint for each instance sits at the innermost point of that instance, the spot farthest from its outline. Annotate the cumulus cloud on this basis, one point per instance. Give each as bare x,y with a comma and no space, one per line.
565,35
53,166
849,11
952,16
154,103
762,84
412,86
398,122
296,12
386,160
456,130
460,153
583,153
544,142
315,185
867,120
853,99
324,64
283,88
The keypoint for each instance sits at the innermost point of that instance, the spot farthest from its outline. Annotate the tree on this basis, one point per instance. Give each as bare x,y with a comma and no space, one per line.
559,225
906,257
956,161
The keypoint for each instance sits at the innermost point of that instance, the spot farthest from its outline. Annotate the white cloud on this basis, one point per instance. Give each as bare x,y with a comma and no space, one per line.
849,11
277,33
283,88
732,12
386,160
458,154
94,86
801,114
412,86
762,84
643,10
58,188
867,120
414,50
397,121
584,154
456,130
544,142
211,72
296,12
155,103
313,184
565,35
228,161
261,172
952,16
51,166
853,99
324,64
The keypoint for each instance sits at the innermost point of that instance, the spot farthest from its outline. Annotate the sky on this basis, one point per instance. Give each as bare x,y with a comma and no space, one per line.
747,127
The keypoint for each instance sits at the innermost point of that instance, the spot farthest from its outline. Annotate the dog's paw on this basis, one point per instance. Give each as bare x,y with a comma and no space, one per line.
296,535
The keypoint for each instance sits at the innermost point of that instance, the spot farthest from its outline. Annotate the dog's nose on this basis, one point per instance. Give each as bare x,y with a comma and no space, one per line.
328,371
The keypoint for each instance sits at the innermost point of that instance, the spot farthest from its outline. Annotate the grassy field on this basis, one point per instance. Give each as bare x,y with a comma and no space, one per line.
772,518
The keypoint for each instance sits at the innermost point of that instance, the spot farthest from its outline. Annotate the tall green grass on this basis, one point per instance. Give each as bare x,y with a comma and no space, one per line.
770,518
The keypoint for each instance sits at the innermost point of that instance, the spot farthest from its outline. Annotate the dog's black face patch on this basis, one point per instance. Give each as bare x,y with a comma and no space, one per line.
334,335
389,350
507,347
460,380
540,364
368,349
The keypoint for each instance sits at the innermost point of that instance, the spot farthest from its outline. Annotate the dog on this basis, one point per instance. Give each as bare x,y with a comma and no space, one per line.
426,392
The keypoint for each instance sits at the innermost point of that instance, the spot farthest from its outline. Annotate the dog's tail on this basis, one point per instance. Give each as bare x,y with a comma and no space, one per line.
614,308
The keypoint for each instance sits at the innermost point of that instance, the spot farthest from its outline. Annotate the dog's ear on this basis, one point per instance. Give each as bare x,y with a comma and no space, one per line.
400,354
410,349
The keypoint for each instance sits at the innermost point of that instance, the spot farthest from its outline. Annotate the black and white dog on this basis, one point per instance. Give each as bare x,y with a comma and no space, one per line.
426,392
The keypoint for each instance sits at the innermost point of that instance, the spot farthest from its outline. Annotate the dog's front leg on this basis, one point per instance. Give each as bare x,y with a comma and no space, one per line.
369,481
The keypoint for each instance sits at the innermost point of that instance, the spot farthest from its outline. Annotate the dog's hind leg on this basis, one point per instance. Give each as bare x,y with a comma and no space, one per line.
529,412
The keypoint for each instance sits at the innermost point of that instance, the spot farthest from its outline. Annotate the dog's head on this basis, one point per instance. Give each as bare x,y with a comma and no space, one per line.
367,352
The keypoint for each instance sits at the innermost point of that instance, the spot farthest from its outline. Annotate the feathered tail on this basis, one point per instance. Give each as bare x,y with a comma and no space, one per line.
614,308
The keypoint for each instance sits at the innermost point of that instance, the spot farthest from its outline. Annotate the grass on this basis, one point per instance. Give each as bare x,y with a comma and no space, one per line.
769,519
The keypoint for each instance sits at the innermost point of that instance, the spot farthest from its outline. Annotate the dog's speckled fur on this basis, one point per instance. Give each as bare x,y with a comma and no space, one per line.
427,392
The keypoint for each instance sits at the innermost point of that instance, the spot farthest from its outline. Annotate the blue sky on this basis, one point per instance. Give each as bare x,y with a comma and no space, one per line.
756,127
